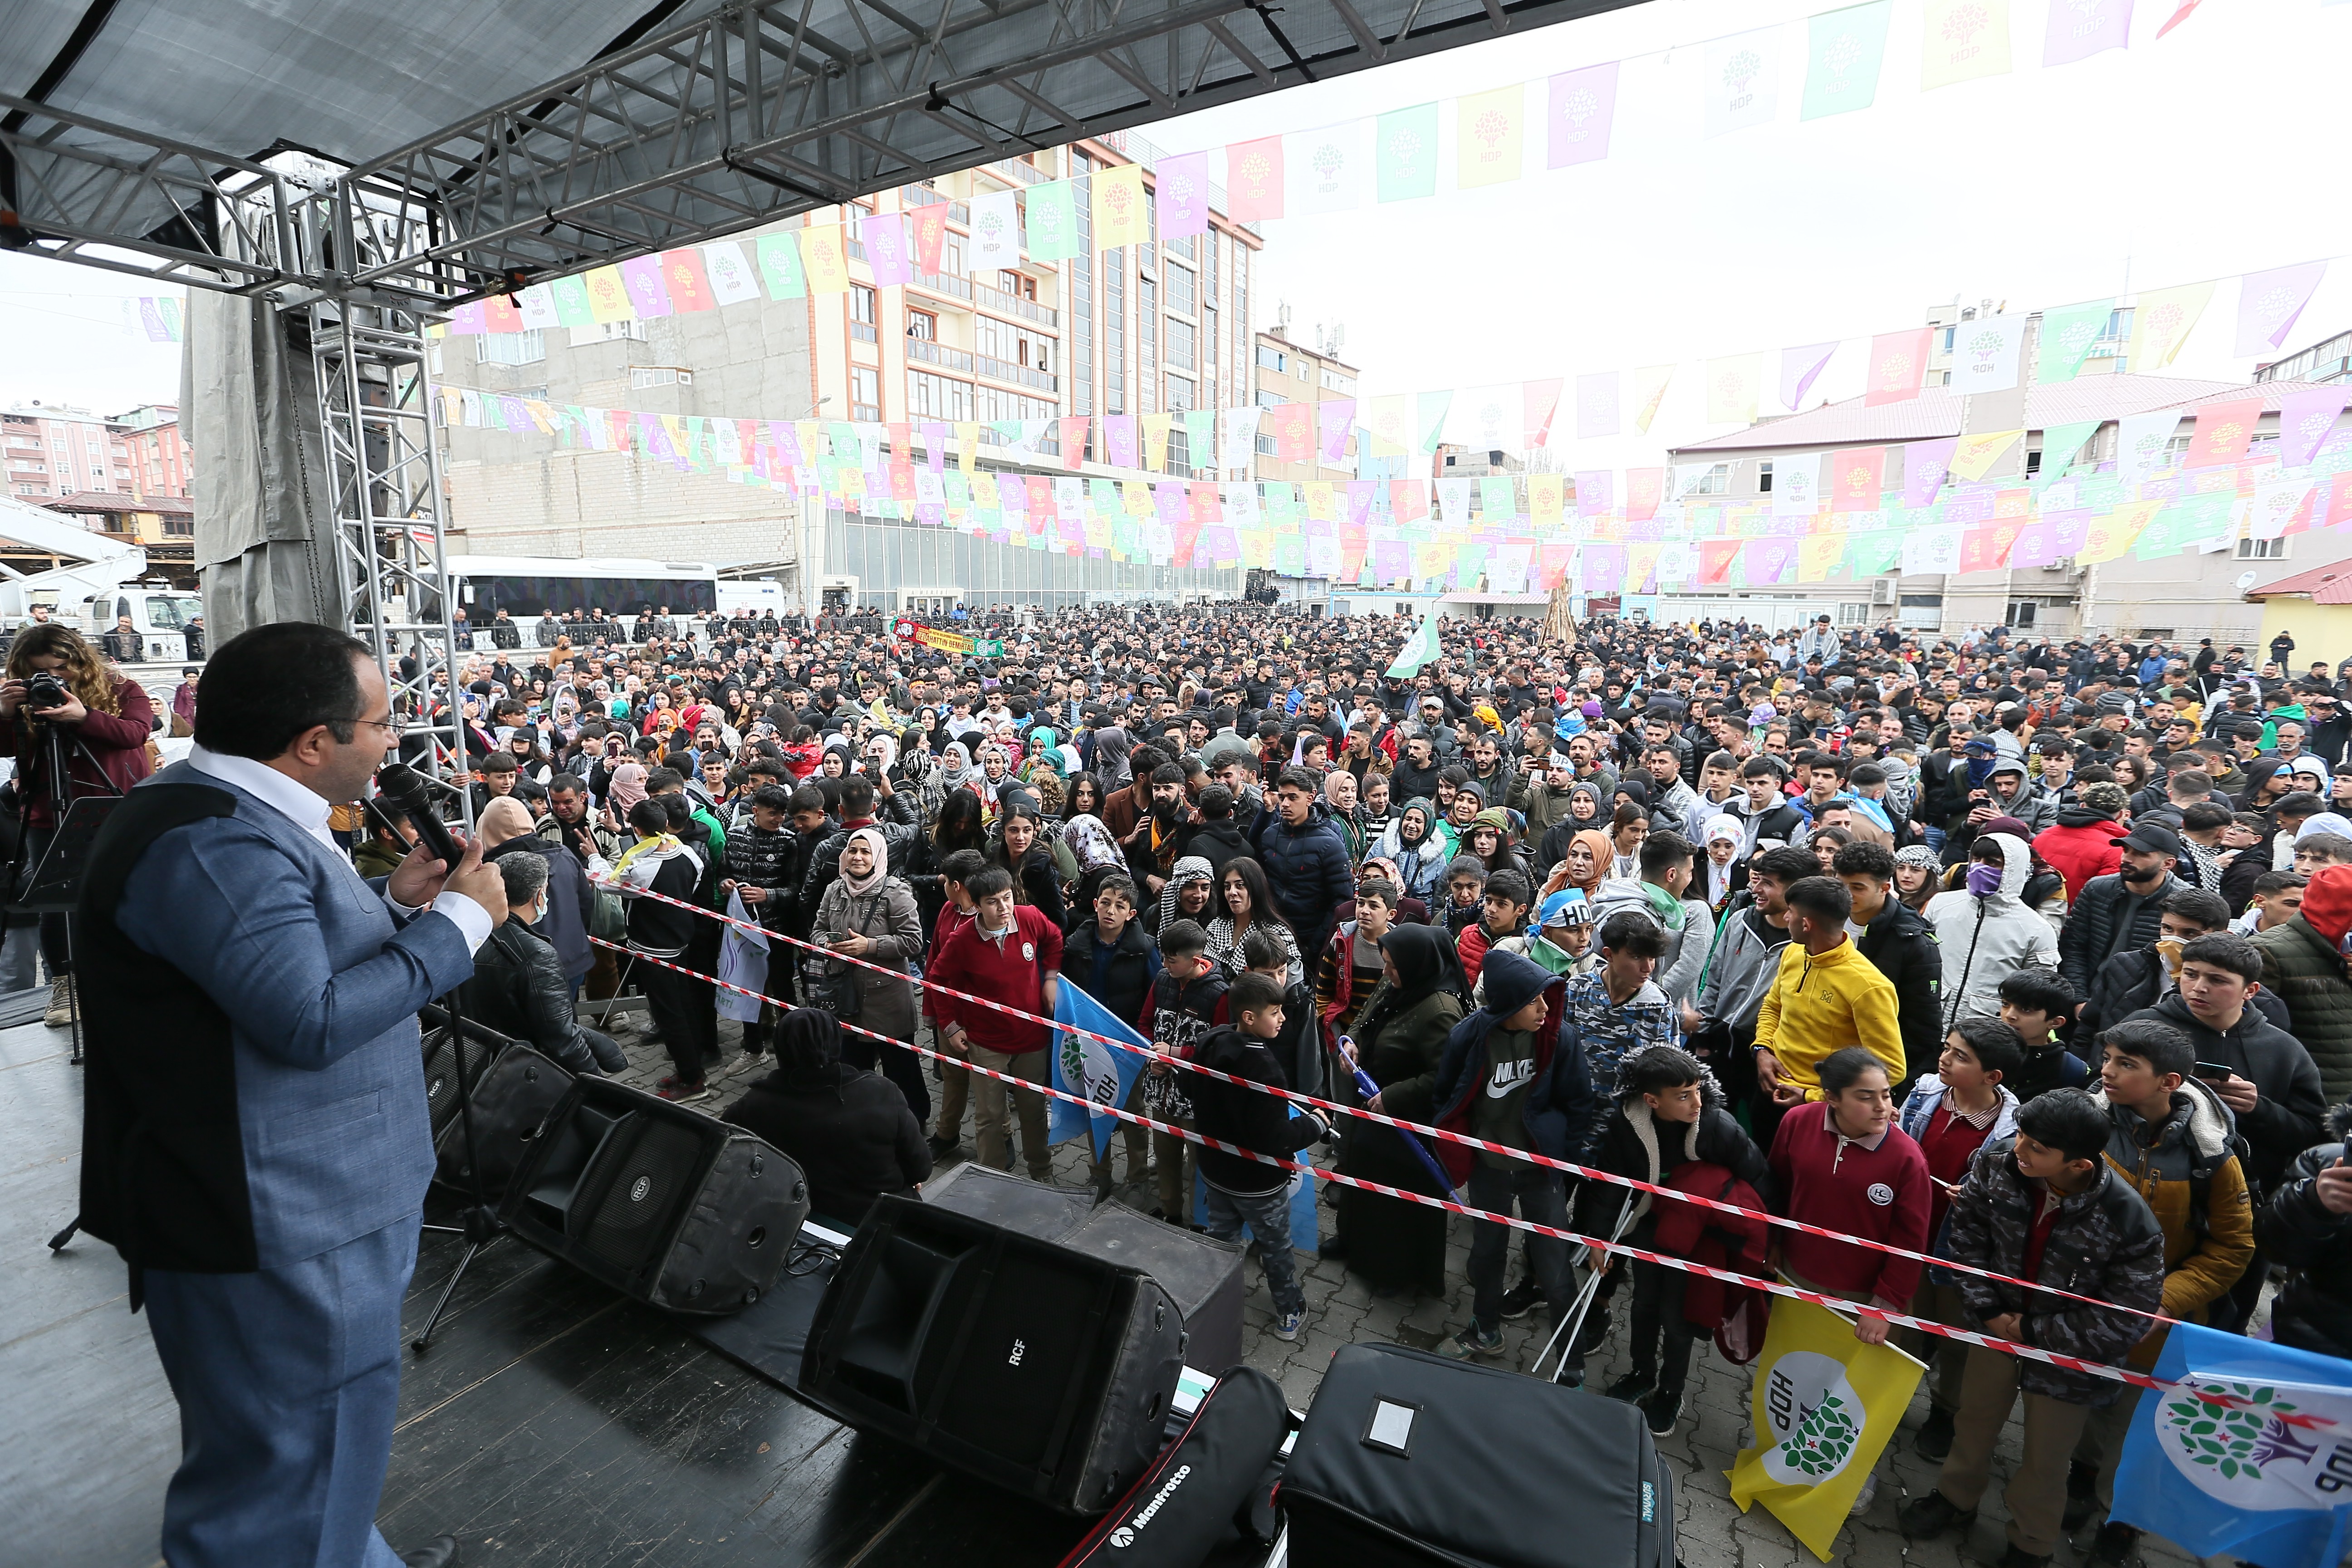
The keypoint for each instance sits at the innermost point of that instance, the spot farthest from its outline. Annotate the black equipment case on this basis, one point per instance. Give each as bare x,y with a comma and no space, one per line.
1199,1494
1410,1460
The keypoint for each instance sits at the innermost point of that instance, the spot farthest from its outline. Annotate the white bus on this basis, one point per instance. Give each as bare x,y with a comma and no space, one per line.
528,587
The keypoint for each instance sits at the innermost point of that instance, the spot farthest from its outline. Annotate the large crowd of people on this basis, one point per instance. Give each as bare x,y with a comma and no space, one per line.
2026,955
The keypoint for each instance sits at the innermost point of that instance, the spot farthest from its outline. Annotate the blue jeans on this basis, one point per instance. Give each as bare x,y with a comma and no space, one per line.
1268,1219
1936,839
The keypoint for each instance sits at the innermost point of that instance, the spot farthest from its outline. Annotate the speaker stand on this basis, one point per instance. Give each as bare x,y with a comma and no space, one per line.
480,1228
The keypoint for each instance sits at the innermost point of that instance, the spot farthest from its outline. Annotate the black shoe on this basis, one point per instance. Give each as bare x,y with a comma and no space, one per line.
1521,1299
2082,1495
1634,1387
441,1551
1595,1329
1332,1246
1934,1438
2113,1546
940,1147
1662,1410
1931,1516
2018,1557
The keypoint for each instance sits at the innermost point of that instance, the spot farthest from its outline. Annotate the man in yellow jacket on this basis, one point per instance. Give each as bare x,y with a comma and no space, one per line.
1824,997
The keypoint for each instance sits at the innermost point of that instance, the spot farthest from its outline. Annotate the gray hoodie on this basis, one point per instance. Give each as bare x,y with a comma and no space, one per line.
1986,939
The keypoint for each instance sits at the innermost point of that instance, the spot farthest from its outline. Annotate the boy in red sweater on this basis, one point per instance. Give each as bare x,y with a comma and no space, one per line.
955,1083
1843,1164
1011,953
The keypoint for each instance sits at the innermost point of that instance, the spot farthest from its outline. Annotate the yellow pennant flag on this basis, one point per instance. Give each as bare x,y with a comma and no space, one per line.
2108,537
1135,496
967,445
983,489
1155,442
1257,547
1431,559
1118,207
824,260
1389,420
1962,40
1487,134
1976,454
2162,321
1731,389
1640,559
608,295
1320,502
1650,385
1824,1405
1819,556
1546,497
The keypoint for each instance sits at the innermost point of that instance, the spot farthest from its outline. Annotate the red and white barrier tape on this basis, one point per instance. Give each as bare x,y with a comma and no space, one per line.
1530,1156
1729,1277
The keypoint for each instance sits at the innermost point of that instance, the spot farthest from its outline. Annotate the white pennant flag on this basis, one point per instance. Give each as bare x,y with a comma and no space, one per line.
1796,485
1240,504
1933,549
1454,503
2141,441
732,281
1984,353
1743,84
1674,562
537,307
1494,416
995,232
1239,445
1323,171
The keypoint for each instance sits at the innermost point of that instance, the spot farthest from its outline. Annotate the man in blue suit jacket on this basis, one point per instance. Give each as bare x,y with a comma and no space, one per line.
255,1140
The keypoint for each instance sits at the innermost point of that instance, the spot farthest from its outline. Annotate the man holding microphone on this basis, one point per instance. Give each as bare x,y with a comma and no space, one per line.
256,1143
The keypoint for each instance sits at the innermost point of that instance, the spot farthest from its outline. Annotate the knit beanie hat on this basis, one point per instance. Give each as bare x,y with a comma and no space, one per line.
2327,903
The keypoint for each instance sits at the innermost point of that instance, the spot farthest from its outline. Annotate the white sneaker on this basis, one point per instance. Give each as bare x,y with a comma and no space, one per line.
59,1014
1862,1499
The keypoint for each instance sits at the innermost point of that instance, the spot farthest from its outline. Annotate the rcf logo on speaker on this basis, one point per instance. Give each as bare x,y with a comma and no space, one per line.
1020,1349
639,1188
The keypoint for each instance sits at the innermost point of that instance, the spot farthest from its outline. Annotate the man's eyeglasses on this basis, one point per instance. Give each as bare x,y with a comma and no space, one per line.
393,727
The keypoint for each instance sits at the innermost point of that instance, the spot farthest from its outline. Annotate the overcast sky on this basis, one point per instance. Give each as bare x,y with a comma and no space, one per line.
2211,153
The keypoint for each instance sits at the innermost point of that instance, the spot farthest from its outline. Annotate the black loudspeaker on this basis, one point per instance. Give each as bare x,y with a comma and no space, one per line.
512,1101
445,1056
1027,1364
659,1202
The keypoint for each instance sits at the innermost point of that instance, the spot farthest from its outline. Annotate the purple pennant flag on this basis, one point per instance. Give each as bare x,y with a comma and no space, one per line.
1766,559
787,441
2067,531
930,514
1582,109
2167,489
1799,366
2034,547
2081,28
1360,494
1596,405
647,292
1174,504
465,321
1119,435
1925,463
935,445
1969,504
885,235
1595,492
1390,561
2307,419
1605,568
150,318
2270,302
1180,195
1338,417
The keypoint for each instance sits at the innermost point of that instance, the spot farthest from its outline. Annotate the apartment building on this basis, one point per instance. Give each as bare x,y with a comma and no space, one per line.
1290,373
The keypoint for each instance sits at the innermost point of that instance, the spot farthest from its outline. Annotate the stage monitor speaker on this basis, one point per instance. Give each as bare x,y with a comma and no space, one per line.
1026,1363
662,1203
445,1057
512,1102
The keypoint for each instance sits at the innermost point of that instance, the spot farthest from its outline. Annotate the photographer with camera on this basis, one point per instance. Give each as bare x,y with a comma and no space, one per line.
58,690
255,1141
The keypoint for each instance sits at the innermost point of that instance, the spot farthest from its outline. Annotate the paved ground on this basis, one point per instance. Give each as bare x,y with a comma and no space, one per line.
1341,1310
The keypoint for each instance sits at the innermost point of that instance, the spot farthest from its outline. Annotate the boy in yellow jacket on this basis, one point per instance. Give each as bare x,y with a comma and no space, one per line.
1825,997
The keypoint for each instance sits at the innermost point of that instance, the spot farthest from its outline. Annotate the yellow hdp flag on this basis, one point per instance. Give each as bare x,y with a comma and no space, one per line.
1320,501
967,445
1487,135
823,259
983,489
1389,420
1641,561
1118,207
2161,323
1547,499
2108,537
1824,1405
1257,547
1155,441
1431,559
1731,389
1135,496
1963,39
1977,454
1818,556
608,296
1650,385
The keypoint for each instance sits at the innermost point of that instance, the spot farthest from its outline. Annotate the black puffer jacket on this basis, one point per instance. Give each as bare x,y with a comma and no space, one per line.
1901,946
520,990
848,1129
564,927
1265,1123
2129,984
2313,1312
1633,1142
1307,869
2106,1245
2291,1114
2089,933
1127,973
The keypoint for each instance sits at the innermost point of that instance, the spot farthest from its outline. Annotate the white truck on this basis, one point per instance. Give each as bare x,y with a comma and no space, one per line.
97,583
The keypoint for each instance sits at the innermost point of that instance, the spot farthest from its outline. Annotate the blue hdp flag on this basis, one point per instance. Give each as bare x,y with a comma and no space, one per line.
1303,1234
2251,1456
1082,1066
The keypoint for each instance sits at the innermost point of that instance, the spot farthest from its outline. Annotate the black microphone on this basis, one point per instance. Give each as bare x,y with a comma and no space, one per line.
405,788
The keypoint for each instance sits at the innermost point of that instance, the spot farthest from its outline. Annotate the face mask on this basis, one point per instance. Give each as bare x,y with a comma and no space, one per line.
1984,881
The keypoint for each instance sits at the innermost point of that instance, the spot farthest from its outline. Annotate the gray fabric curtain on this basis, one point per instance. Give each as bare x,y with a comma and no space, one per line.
264,505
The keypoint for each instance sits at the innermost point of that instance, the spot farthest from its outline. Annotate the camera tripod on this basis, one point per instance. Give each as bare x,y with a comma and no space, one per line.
54,885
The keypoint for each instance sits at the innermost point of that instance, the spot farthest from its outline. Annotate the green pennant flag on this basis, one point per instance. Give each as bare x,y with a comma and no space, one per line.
1870,554
1842,74
780,266
1419,649
1052,223
1432,418
2059,445
1406,143
571,302
1498,496
2067,334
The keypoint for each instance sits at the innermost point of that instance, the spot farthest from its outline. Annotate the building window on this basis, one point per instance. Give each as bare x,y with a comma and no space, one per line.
1147,345
938,396
1080,271
1266,448
2021,613
1334,382
923,324
1019,285
1714,482
1180,347
2262,549
1114,337
1180,393
1272,359
1271,400
644,375
862,308
865,394
526,347
1179,290
1764,479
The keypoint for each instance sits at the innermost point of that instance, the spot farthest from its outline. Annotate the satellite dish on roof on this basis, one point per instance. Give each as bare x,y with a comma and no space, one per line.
2245,581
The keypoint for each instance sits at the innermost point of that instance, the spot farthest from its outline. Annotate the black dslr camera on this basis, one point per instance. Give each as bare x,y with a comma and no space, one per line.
44,690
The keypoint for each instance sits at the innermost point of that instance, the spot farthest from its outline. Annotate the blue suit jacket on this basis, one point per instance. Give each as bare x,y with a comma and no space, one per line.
322,986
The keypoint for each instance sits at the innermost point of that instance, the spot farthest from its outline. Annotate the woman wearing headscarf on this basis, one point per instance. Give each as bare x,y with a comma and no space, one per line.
849,1129
1095,856
627,787
1590,859
1399,1039
954,773
1190,895
869,913
1918,874
1721,873
1413,845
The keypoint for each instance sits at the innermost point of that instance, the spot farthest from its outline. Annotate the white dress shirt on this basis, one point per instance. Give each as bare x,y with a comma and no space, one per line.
308,810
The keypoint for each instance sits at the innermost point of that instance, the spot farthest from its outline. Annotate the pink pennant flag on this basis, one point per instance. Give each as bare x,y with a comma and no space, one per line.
1180,195
2179,16
885,235
1582,110
647,292
1293,425
1596,405
2306,420
1541,399
1799,366
1253,179
929,224
1595,492
2269,303
1643,487
1899,365
1924,466
1074,440
2081,28
1335,420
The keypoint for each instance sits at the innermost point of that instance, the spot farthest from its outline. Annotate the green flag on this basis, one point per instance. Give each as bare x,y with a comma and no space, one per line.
1431,417
780,266
1869,555
2059,445
2067,334
1419,649
1053,221
571,302
1842,74
1407,147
